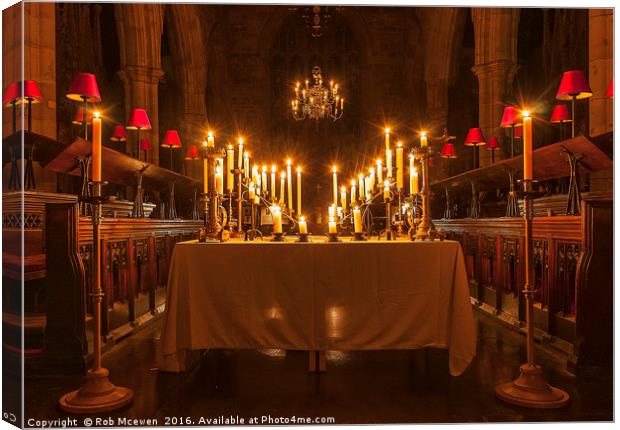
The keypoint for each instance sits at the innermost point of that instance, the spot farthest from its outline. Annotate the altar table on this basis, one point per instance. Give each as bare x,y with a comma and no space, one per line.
317,296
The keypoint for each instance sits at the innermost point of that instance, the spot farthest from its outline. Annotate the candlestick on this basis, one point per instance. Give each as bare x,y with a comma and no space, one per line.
372,177
423,139
388,162
240,154
368,188
219,180
289,184
273,182
210,140
387,139
255,174
205,185
379,171
399,166
343,198
251,191
332,227
527,146
386,191
282,179
414,187
357,220
246,164
230,167
263,180
276,214
353,198
303,225
96,147
360,181
299,190
335,184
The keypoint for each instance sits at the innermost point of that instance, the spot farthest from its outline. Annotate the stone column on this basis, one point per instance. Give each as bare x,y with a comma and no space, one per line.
141,91
601,71
437,119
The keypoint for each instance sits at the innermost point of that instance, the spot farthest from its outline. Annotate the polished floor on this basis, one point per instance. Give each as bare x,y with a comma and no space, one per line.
359,387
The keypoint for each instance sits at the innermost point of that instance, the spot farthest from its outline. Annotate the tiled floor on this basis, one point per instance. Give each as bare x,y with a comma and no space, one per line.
359,387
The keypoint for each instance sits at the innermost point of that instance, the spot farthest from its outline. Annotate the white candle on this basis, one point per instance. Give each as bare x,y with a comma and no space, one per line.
246,164
368,188
252,191
386,190
387,139
423,139
379,171
414,184
277,219
205,171
343,198
332,227
210,140
357,220
240,155
264,180
230,166
527,146
372,177
219,180
96,150
399,166
303,225
335,184
273,182
353,192
299,190
282,179
255,174
388,162
289,183
360,181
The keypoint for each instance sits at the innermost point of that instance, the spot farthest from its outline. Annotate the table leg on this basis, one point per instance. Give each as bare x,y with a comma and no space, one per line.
311,361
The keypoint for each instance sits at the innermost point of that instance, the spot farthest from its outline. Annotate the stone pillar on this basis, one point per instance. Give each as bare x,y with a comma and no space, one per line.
437,119
495,67
141,91
601,71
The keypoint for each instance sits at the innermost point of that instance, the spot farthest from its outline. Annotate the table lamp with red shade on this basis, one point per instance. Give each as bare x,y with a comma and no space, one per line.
574,86
475,139
510,119
138,120
560,115
84,88
492,145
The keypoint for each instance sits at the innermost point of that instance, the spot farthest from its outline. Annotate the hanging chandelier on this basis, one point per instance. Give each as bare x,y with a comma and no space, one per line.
317,101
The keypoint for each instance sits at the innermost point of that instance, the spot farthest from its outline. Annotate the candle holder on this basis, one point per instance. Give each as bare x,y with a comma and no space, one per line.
333,237
426,229
97,394
209,200
239,173
530,389
253,232
303,238
278,237
358,237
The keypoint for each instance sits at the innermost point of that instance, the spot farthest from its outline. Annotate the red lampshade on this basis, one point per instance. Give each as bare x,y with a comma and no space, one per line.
32,91
510,117
574,84
493,143
610,89
192,153
519,131
448,150
119,135
560,113
84,87
11,93
475,138
145,145
79,116
138,120
171,140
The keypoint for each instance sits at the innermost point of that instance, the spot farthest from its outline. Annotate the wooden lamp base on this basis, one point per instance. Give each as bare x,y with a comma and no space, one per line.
530,390
97,394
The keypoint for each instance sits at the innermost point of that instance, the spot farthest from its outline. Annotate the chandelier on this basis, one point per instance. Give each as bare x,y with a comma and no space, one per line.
317,101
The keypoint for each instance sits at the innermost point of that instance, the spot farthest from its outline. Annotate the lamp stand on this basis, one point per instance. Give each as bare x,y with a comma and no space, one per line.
573,98
530,389
97,394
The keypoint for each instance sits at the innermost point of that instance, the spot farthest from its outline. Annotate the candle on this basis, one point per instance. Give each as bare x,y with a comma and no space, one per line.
230,166
240,155
379,171
246,164
205,185
353,192
387,139
331,212
96,147
299,190
388,162
255,174
360,181
386,190
264,180
273,182
332,227
219,180
252,191
527,146
303,225
282,178
357,220
335,184
372,178
414,187
399,166
289,184
423,139
343,198
277,219
257,198
210,140
368,188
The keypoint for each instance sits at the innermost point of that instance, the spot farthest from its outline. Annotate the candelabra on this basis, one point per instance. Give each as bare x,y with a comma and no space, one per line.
97,394
209,200
253,232
317,101
388,197
426,228
530,388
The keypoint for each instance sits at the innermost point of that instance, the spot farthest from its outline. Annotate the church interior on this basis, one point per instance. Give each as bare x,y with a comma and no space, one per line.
452,262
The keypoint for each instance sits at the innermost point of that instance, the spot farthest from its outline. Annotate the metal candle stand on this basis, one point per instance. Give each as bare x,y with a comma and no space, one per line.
426,229
253,232
209,200
278,237
97,394
388,217
303,237
332,237
530,389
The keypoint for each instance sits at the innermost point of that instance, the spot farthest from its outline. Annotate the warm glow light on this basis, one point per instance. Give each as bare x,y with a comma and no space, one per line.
343,189
96,114
288,162
526,113
387,130
204,143
299,170
353,182
282,175
210,134
386,184
241,141
423,133
273,168
246,154
229,146
399,144
334,168
264,169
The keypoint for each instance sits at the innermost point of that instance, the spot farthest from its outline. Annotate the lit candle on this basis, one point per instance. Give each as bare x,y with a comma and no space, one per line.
331,212
379,171
240,155
368,188
210,140
230,166
386,190
282,179
289,184
414,186
387,139
343,198
399,166
205,170
388,162
219,180
332,227
335,184
353,192
299,190
252,191
303,225
255,174
360,182
96,146
273,182
257,198
372,178
246,164
264,180
423,139
527,146
277,219
357,219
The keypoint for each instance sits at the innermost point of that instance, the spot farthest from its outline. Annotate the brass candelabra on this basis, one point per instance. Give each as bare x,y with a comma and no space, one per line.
210,199
426,229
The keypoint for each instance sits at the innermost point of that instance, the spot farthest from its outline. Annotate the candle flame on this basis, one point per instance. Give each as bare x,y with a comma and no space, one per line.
379,161
273,168
229,146
353,182
96,114
210,134
343,189
264,168
240,140
246,154
302,218
399,144
334,168
288,162
299,170
423,133
204,143
387,130
282,175
526,113
387,184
